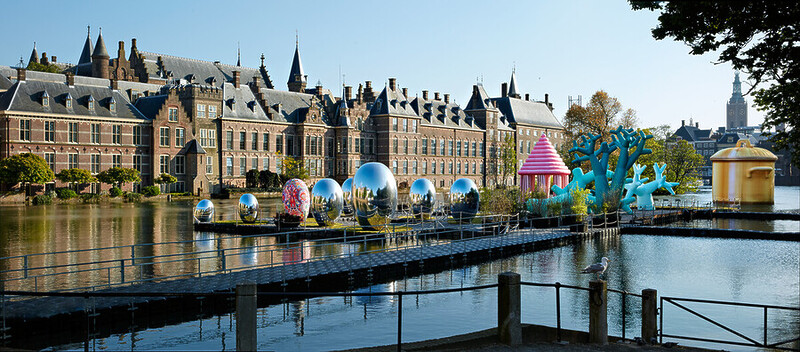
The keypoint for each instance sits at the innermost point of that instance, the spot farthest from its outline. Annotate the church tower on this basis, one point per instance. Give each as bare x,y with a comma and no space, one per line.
737,106
297,80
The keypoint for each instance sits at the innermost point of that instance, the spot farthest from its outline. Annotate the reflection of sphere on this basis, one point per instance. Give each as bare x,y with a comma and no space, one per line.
296,198
326,201
204,211
374,195
347,193
423,197
464,199
248,208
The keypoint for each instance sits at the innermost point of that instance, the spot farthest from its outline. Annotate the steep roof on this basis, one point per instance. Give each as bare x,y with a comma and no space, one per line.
293,105
149,106
439,113
26,97
100,47
34,54
241,103
205,72
479,100
193,148
297,68
86,53
527,112
392,102
693,134
512,87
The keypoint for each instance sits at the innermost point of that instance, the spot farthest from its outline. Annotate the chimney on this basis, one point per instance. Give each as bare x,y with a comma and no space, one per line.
527,97
504,90
348,92
44,59
121,50
53,59
236,78
70,79
447,98
360,94
21,74
697,124
114,84
683,123
257,82
133,44
424,95
405,92
547,98
369,84
392,83
436,96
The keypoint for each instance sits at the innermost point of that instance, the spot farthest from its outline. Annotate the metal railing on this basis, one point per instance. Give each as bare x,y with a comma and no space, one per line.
751,342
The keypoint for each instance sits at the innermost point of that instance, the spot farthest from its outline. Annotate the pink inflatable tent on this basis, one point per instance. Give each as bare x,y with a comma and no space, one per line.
543,168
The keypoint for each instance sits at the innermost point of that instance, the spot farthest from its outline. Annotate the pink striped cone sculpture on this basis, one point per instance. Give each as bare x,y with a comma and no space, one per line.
543,168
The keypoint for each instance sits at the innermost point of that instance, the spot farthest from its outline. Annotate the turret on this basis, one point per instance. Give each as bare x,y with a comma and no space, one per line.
100,58
86,53
34,55
297,80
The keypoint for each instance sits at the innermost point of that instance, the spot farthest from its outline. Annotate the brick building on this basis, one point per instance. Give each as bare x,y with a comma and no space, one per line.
208,123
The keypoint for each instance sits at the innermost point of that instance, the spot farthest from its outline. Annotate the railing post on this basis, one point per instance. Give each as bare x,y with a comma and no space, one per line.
649,314
509,328
598,310
399,321
246,305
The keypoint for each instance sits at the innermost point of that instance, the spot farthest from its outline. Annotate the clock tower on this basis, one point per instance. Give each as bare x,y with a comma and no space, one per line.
737,106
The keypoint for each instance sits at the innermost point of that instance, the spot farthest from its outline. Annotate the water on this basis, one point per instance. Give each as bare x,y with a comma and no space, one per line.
753,271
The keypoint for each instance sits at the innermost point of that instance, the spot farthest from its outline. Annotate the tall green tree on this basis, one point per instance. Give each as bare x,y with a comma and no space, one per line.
25,168
759,37
508,158
294,167
75,177
683,165
602,114
119,176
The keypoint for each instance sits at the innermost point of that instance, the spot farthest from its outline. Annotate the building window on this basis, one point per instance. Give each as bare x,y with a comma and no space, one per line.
405,125
424,167
441,167
172,114
394,145
242,166
95,129
25,130
229,166
229,139
415,146
180,164
209,164
414,126
358,145
203,137
458,148
112,105
90,103
405,145
180,137
137,135
95,163
450,167
481,149
394,167
449,148
394,124
279,144
116,136
254,163
201,110
458,168
414,167
164,141
49,131
50,158
242,140
73,132
212,138
212,111
433,146
137,163
443,146
265,140
424,146
73,161
290,145
68,102
116,160
164,164
254,140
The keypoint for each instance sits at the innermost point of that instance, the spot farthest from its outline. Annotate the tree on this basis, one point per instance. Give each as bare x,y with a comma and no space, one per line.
508,157
602,114
35,66
119,176
165,178
760,38
683,166
75,177
25,168
251,178
294,168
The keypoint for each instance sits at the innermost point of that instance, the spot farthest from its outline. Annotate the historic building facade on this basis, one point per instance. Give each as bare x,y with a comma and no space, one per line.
208,123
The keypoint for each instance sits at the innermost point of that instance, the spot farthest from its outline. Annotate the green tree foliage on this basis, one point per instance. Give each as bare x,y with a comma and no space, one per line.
294,168
34,66
760,38
683,165
75,176
165,178
251,178
508,157
26,168
119,176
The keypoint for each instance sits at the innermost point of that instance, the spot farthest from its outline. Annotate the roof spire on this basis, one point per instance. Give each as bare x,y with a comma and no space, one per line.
297,78
238,55
34,55
86,53
262,59
100,47
512,86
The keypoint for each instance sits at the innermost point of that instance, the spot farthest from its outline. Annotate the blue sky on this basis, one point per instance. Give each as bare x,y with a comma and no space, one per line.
560,47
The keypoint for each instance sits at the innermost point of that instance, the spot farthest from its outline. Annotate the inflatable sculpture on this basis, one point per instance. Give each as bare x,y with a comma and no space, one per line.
644,191
543,167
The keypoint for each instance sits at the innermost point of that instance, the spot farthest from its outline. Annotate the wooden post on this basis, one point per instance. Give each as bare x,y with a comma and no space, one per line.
598,309
649,314
509,328
246,305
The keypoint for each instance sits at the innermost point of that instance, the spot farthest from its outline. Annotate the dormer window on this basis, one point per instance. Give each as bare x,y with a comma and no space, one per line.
68,101
112,105
45,99
90,103
232,103
252,106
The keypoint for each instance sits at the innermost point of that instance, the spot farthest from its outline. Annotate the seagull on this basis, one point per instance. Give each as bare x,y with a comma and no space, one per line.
597,268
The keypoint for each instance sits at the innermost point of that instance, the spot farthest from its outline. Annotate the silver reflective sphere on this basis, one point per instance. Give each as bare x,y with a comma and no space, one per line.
374,195
326,201
248,208
204,211
347,193
464,199
423,197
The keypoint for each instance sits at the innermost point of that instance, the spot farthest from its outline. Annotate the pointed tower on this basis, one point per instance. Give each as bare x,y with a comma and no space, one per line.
297,80
34,55
238,55
512,86
100,58
86,53
737,106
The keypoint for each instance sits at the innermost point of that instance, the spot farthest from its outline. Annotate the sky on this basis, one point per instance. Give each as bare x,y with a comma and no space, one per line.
562,48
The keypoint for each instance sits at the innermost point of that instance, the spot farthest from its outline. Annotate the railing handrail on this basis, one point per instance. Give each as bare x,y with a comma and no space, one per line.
740,304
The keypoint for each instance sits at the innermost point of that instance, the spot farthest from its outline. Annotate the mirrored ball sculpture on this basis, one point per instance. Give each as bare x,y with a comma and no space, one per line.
296,198
423,198
374,195
326,201
248,208
204,211
347,193
464,199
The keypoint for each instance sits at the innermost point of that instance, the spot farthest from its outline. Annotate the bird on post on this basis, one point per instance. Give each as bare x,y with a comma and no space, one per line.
597,268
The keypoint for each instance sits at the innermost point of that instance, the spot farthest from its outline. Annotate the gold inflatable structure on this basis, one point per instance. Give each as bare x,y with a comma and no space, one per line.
743,174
